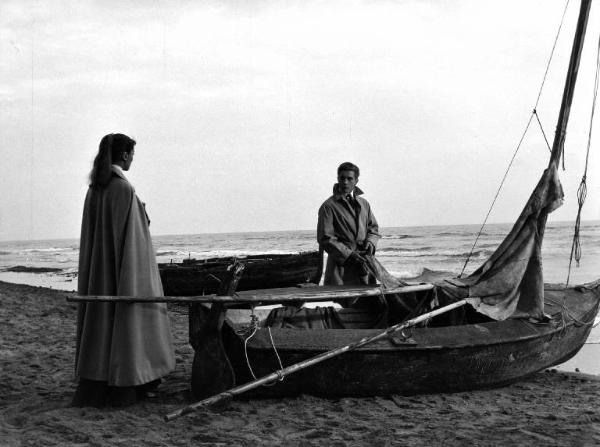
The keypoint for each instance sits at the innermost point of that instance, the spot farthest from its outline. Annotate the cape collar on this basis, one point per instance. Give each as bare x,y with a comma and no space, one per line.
118,171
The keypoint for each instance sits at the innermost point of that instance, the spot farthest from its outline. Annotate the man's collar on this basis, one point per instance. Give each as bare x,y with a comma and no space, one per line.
336,191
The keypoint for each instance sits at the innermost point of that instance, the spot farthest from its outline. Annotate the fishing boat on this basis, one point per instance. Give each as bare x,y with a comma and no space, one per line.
203,276
514,324
423,360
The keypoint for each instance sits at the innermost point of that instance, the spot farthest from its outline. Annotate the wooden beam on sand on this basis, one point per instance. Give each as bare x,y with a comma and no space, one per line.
265,296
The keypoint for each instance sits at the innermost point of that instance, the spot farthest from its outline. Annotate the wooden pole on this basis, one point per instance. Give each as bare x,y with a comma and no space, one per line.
264,296
226,395
565,107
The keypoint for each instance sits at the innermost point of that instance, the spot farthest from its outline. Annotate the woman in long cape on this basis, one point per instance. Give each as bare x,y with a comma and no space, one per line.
122,349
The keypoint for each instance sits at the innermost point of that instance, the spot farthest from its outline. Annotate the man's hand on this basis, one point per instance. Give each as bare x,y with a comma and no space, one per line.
369,249
355,259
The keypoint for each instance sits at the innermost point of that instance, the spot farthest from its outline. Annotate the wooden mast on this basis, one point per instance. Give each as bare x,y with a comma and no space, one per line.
565,107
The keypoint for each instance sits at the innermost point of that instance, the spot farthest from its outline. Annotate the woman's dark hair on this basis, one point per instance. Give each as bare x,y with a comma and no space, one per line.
347,166
111,146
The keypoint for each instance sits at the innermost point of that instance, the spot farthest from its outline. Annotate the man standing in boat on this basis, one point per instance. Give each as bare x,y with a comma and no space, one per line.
347,230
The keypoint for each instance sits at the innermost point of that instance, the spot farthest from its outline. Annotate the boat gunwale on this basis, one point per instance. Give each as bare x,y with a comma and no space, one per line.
539,331
225,260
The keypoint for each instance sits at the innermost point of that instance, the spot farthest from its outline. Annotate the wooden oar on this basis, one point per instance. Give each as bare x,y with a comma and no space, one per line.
227,395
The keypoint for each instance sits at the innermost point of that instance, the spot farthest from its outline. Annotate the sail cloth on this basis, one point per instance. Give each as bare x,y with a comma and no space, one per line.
510,283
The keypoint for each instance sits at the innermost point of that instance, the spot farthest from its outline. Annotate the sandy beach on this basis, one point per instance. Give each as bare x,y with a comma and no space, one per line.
37,329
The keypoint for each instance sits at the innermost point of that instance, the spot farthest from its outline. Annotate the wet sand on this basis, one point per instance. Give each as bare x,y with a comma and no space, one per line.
37,345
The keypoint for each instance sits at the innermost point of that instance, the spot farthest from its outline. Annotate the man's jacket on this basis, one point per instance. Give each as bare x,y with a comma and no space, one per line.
343,228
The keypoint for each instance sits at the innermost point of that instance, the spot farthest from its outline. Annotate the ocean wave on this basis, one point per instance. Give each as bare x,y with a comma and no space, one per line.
455,233
24,269
209,254
167,253
405,249
424,274
401,236
491,245
181,244
4,253
416,253
405,274
45,250
265,237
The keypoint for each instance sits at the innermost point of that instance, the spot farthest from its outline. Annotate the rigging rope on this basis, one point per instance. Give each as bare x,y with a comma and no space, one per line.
534,112
496,196
542,129
582,190
551,54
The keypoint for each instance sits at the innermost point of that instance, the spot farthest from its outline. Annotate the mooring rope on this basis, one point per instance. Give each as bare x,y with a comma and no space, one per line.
279,373
252,329
582,190
533,113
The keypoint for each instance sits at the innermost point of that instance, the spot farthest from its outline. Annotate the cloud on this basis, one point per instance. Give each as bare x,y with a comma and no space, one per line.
429,97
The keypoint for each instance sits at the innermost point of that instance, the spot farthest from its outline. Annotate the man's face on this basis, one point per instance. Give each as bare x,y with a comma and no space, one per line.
347,181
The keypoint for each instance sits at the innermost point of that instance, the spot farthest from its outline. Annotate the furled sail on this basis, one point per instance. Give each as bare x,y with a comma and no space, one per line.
510,283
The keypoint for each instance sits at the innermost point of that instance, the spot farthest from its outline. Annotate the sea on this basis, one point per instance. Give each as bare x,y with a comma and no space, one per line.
406,252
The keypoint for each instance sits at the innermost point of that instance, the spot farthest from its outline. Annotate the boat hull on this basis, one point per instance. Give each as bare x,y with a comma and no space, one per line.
202,277
433,359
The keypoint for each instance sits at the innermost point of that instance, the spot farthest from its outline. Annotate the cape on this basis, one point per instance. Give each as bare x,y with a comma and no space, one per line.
123,344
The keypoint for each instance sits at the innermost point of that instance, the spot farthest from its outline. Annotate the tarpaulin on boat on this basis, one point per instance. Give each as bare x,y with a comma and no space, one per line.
290,317
510,283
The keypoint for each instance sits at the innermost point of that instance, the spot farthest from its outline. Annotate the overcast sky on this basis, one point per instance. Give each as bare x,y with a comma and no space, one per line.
243,110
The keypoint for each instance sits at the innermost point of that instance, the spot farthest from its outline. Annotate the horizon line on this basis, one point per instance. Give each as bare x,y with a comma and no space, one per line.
289,231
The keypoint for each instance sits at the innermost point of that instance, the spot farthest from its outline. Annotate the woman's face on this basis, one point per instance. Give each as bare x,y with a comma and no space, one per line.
127,159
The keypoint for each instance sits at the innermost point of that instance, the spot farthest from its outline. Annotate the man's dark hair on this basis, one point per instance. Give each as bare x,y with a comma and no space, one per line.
347,166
